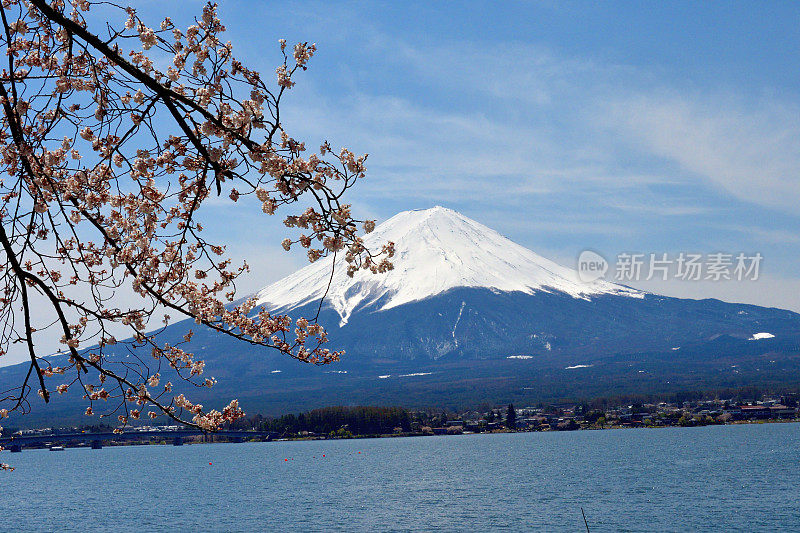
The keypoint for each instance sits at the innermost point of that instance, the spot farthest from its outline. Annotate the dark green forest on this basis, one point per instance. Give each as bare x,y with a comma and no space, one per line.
341,420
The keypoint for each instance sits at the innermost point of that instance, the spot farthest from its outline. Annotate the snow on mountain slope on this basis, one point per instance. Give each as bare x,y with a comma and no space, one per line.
436,250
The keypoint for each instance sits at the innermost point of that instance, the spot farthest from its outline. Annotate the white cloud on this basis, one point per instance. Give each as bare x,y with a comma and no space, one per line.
524,120
580,113
751,150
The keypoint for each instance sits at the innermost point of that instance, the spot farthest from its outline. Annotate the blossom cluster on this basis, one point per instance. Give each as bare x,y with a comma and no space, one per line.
96,200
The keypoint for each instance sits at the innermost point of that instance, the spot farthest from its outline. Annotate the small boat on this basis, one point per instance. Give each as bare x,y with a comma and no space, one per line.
56,448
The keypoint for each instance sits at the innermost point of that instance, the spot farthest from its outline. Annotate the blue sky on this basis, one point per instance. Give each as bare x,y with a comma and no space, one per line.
634,127
625,127
617,127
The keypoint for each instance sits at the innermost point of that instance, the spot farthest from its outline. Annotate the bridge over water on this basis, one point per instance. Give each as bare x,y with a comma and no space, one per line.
16,443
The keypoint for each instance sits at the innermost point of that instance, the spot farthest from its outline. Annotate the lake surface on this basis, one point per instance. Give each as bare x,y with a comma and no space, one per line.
721,478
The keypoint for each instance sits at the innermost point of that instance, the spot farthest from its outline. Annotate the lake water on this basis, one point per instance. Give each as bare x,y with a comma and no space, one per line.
723,478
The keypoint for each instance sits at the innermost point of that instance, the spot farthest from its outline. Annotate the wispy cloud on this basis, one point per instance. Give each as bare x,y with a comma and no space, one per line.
749,149
525,120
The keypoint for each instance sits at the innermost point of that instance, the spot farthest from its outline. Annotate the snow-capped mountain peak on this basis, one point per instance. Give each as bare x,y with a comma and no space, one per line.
436,249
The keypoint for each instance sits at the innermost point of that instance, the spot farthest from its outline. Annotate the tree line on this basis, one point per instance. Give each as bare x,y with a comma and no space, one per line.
338,420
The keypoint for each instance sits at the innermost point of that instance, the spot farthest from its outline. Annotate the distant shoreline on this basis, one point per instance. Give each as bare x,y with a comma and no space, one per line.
199,439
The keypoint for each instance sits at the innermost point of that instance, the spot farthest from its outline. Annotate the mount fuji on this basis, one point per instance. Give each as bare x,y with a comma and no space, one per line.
462,290
467,316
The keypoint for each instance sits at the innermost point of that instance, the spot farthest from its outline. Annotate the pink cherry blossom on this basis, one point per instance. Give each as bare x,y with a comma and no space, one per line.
95,203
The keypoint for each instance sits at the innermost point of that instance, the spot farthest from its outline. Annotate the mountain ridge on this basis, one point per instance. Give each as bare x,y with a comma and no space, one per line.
442,344
462,290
